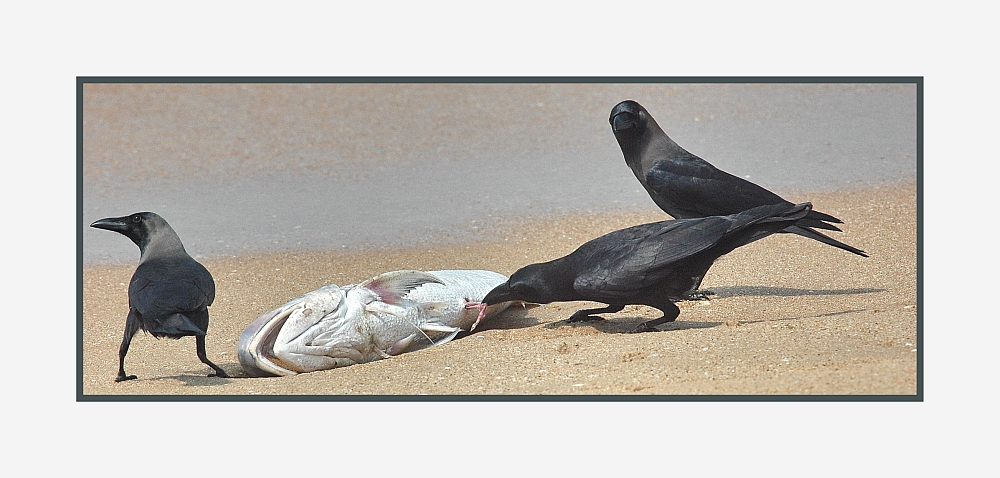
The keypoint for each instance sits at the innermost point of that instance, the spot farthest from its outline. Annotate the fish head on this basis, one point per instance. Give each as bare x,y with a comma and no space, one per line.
273,344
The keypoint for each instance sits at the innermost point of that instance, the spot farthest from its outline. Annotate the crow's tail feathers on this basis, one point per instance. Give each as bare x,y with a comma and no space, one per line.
791,213
762,221
823,217
811,222
771,214
802,230
174,326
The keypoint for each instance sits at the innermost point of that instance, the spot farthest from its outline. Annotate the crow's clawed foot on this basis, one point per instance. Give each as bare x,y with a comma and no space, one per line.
699,295
219,373
122,377
583,318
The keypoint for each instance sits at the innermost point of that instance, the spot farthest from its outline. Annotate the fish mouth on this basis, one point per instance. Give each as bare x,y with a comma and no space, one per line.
256,345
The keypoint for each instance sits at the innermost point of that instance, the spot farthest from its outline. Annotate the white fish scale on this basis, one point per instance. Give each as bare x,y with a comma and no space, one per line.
460,287
357,327
310,310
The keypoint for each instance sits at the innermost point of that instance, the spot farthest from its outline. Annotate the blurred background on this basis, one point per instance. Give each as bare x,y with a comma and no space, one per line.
245,168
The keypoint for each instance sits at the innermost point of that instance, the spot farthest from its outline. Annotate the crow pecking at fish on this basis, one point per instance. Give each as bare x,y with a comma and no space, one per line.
648,264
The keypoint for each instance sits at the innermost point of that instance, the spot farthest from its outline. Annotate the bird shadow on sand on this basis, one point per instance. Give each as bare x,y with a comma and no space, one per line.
814,316
626,325
194,378
759,291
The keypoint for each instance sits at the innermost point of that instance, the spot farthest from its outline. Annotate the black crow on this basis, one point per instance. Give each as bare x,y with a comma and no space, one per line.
686,186
169,293
649,264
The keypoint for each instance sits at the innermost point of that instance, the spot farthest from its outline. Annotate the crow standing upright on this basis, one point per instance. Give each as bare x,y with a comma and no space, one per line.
169,293
649,264
686,186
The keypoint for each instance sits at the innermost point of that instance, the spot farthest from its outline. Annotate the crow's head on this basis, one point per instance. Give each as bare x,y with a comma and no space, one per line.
528,284
628,117
143,228
630,123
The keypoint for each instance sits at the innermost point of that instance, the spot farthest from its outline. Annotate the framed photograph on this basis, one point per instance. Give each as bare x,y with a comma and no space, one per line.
779,256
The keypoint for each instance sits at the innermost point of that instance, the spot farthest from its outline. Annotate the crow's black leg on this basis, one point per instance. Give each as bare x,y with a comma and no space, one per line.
132,325
698,295
587,314
670,313
200,342
695,293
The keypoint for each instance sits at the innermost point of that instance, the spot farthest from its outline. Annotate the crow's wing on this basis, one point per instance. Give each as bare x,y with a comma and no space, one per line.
622,262
698,188
163,287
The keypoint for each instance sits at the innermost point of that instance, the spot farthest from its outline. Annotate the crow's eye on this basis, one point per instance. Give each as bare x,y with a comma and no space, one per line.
136,218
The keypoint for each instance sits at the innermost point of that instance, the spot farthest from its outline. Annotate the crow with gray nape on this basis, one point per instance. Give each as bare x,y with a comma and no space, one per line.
686,186
169,293
650,264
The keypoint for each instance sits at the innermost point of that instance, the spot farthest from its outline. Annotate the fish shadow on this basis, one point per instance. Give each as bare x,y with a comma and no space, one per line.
759,291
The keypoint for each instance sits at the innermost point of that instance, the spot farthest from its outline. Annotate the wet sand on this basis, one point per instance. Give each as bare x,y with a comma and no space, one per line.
790,317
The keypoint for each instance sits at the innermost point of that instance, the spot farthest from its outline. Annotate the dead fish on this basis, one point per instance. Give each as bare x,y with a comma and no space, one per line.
392,313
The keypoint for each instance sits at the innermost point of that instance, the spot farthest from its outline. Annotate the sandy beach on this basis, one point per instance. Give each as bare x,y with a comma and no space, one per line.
790,317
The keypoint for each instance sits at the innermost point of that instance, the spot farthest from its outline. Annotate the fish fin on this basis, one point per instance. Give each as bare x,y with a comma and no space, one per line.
409,343
300,315
326,338
401,345
434,309
447,338
322,339
382,307
392,286
430,327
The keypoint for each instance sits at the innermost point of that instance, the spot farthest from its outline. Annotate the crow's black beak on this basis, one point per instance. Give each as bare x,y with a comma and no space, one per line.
622,121
500,293
116,224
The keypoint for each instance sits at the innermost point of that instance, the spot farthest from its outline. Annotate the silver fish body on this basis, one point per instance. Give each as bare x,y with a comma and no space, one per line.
392,313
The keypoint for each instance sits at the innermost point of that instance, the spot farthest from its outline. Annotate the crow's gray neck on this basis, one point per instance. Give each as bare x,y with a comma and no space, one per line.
162,243
659,146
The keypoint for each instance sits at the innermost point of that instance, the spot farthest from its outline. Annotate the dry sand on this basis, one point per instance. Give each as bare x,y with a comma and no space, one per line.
790,316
